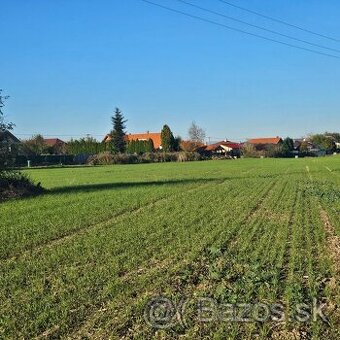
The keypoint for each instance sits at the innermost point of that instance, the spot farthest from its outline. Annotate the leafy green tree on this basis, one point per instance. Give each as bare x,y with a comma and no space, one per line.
177,143
3,124
139,146
129,148
249,150
34,146
118,132
88,145
5,151
304,147
323,141
287,146
134,146
334,135
150,146
167,139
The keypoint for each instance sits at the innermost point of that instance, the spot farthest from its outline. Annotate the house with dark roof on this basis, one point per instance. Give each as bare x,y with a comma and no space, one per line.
8,137
8,140
9,144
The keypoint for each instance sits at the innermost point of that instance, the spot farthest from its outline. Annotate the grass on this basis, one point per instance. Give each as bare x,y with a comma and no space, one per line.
84,259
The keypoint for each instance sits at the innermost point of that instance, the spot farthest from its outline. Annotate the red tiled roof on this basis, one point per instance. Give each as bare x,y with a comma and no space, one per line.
154,136
188,145
230,145
53,141
257,141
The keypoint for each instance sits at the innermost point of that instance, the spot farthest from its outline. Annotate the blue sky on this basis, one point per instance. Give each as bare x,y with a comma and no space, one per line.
67,63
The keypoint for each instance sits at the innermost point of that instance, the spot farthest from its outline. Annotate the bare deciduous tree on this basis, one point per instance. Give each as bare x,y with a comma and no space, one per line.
196,133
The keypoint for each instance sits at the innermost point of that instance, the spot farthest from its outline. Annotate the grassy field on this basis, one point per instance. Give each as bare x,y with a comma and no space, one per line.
84,260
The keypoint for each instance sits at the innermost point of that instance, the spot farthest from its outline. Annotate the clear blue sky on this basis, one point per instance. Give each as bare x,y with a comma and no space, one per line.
67,63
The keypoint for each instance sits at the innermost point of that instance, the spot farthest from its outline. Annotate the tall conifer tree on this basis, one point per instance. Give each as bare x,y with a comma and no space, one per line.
118,132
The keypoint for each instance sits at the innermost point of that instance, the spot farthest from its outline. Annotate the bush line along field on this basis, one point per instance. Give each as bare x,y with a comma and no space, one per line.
84,259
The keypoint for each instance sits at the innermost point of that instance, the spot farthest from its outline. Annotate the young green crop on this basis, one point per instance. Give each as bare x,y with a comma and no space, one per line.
84,259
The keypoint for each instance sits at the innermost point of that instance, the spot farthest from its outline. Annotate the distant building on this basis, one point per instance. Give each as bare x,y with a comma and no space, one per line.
223,148
9,145
54,142
190,146
154,136
55,145
8,137
8,140
265,141
305,146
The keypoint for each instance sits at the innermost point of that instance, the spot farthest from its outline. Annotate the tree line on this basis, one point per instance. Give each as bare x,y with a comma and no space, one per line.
169,143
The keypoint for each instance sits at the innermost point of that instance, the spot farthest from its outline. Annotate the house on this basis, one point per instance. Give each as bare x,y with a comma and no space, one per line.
297,144
305,146
55,145
54,142
223,148
263,143
7,138
154,136
9,147
190,146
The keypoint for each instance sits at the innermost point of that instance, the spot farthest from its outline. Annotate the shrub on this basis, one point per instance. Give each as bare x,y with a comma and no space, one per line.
123,158
87,145
249,150
139,146
168,156
106,158
14,184
149,157
188,156
103,158
252,151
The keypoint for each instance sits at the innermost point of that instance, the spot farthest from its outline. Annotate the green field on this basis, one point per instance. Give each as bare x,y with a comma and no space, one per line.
84,260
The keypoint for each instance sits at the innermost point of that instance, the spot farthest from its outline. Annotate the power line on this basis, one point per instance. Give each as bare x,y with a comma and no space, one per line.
239,30
259,27
279,21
